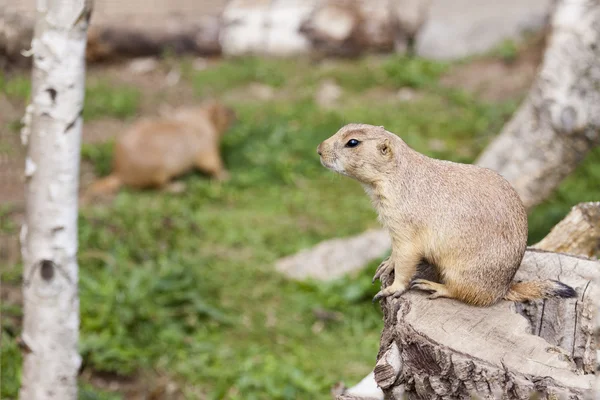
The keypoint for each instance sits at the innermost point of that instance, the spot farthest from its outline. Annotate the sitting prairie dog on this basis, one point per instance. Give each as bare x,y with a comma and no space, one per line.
155,150
466,221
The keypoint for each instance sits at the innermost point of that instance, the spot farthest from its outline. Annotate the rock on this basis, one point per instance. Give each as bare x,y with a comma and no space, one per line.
334,258
261,91
200,64
143,65
406,94
328,94
460,28
173,77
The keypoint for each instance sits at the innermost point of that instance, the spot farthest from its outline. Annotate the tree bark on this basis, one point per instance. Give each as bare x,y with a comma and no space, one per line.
443,349
52,134
559,122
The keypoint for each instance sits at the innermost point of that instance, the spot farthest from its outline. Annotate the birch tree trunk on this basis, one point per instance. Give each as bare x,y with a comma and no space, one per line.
559,122
52,134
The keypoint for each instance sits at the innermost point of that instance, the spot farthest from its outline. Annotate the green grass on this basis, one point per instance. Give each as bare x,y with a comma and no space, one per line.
101,98
581,186
17,87
105,100
185,283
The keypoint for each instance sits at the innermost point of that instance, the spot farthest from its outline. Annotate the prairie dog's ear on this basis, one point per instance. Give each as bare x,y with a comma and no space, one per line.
384,147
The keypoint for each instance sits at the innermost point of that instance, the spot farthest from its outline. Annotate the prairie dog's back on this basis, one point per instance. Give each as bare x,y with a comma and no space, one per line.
154,146
469,209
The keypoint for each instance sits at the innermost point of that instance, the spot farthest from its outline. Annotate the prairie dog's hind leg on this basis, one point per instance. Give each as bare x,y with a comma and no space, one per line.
437,290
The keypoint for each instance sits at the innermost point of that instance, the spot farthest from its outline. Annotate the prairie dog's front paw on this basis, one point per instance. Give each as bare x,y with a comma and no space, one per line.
396,289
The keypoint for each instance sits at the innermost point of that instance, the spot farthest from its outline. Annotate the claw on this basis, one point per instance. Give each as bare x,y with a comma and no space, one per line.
377,275
378,296
420,284
383,267
436,290
394,290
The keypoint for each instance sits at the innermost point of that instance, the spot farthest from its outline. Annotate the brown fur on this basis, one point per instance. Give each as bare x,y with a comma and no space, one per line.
155,150
465,220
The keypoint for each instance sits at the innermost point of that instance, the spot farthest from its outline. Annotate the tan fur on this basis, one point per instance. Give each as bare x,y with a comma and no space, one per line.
465,220
155,150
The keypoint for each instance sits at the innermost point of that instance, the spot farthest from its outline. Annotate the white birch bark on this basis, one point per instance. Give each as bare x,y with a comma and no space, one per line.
52,134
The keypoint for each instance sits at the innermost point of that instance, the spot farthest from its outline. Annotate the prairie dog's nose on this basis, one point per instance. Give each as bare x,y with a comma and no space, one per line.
319,149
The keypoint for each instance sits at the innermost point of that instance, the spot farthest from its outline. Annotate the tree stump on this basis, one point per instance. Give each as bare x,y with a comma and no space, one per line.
444,349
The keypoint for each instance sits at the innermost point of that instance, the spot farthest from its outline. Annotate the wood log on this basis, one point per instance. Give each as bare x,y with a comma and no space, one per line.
120,39
350,28
265,27
449,350
578,233
272,27
178,34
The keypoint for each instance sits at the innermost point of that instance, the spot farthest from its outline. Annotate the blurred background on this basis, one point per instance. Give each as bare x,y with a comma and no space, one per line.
179,294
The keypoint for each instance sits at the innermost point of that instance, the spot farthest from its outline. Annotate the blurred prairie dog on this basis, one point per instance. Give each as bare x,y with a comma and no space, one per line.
466,221
155,150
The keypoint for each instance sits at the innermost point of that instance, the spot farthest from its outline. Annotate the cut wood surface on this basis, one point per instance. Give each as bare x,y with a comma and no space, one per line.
449,350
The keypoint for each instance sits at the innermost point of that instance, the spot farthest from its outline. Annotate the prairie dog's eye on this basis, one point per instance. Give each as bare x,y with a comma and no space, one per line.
352,143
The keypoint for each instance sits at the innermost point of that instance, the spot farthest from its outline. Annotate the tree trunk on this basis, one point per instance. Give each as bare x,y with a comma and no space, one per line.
443,349
559,122
52,134
578,233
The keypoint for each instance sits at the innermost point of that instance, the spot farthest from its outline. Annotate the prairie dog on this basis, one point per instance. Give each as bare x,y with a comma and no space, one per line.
155,150
466,221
